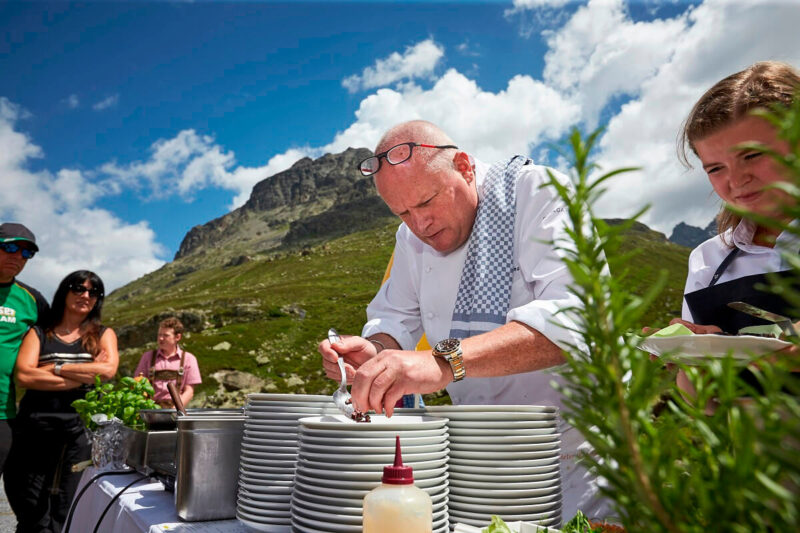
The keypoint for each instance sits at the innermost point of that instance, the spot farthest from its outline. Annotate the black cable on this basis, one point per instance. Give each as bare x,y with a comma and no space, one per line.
114,499
83,489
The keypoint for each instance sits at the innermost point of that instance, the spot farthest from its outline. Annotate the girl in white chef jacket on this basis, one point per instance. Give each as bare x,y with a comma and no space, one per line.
730,266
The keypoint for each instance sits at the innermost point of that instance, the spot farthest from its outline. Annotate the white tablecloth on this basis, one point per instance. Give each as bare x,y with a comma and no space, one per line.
145,507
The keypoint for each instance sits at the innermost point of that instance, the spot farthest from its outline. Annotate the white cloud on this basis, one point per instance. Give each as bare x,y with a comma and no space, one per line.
600,53
71,230
72,101
418,61
106,103
532,4
190,162
490,125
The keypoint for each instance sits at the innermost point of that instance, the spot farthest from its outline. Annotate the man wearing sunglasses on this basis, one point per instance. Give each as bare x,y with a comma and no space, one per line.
474,269
21,307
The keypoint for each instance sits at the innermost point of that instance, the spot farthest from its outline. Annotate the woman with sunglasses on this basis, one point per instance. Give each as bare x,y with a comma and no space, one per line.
57,363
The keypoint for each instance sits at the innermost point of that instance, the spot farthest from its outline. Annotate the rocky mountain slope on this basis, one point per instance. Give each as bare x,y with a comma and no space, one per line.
312,199
691,236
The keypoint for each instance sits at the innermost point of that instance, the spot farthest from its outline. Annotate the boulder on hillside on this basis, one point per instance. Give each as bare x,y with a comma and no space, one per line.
236,380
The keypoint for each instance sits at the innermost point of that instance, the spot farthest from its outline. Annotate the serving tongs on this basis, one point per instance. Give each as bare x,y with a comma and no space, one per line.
341,396
785,323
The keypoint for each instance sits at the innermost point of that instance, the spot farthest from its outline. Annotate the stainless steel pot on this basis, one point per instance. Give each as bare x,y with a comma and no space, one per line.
208,453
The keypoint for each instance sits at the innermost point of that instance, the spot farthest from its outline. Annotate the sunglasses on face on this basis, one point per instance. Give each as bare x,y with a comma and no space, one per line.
78,289
12,248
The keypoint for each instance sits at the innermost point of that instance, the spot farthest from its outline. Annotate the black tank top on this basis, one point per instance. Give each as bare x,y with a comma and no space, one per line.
54,350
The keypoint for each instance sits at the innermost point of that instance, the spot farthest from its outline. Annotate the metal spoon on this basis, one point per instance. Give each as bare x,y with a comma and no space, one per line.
341,397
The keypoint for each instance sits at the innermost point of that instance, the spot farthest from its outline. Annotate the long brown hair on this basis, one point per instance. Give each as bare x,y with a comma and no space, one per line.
757,87
90,327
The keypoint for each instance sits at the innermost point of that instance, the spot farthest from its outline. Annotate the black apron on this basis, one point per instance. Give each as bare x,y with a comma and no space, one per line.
709,306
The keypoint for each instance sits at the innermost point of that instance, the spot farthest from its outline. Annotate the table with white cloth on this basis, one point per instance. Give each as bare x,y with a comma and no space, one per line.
145,507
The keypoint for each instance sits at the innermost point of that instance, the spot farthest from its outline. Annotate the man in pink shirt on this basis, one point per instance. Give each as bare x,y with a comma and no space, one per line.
170,363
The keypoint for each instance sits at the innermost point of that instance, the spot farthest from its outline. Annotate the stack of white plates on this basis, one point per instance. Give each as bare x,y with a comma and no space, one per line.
269,455
340,461
504,460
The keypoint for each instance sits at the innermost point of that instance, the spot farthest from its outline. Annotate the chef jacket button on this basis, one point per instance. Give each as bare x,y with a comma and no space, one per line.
429,315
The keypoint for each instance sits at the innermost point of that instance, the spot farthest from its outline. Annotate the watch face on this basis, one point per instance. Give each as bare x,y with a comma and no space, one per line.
447,345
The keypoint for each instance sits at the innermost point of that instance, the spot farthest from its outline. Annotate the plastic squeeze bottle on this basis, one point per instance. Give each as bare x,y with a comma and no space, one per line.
397,506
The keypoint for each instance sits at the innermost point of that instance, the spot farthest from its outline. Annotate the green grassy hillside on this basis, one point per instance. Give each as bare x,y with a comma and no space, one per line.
274,308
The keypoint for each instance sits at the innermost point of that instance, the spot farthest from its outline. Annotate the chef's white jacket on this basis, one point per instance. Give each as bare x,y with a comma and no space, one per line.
420,294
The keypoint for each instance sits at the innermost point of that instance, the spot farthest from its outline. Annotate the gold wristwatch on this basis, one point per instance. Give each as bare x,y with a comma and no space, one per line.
450,351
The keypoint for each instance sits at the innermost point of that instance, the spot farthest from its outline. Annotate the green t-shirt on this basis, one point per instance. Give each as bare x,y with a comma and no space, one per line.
20,308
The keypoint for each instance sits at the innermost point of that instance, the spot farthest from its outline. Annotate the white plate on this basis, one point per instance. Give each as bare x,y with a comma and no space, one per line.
272,407
369,484
367,466
268,455
267,470
346,506
692,347
268,439
479,416
324,494
262,424
503,427
262,488
384,459
366,449
352,512
500,455
374,433
464,486
275,510
493,494
263,478
500,433
283,397
317,440
466,442
445,410
331,517
328,527
261,497
421,468
253,445
496,479
469,517
379,422
500,466
488,501
264,525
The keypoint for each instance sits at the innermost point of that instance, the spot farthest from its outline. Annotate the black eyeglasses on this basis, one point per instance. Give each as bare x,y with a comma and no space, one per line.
12,248
394,155
78,288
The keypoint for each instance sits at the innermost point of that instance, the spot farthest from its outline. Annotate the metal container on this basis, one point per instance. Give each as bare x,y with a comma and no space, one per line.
164,419
208,466
148,449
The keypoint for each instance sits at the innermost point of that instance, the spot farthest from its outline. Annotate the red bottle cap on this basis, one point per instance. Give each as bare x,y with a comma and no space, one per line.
398,473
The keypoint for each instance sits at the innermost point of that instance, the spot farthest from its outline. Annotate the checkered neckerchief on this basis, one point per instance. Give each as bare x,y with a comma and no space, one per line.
484,291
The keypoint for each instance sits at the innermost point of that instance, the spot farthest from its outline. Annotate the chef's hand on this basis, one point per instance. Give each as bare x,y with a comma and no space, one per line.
380,382
355,351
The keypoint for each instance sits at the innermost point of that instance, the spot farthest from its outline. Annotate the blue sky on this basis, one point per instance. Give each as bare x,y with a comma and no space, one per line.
122,125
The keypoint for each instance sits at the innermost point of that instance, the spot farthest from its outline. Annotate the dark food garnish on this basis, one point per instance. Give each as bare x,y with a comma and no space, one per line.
358,416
